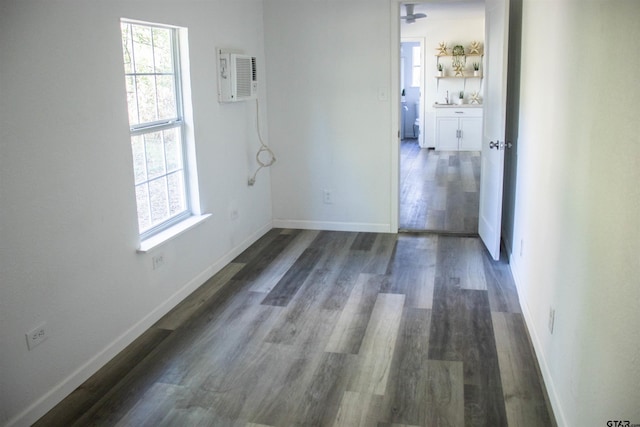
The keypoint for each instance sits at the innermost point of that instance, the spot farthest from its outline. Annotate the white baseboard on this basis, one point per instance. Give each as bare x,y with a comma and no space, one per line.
332,226
44,404
537,347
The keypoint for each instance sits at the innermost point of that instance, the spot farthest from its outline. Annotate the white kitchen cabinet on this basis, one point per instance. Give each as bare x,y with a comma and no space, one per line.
458,128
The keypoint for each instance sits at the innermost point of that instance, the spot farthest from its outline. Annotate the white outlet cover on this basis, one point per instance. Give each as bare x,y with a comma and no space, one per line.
327,197
157,261
36,336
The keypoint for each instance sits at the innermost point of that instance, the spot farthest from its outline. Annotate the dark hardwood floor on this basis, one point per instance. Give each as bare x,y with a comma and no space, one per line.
439,189
309,328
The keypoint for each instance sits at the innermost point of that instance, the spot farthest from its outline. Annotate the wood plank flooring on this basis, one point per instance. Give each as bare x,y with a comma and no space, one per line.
439,190
309,328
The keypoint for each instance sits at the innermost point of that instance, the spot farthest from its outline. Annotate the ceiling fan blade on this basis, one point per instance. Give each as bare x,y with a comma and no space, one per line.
409,9
410,16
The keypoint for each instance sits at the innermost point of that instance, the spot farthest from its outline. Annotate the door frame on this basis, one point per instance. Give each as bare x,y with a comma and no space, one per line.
394,154
395,36
422,41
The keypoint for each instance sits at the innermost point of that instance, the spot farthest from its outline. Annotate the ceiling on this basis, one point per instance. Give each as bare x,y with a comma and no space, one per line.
443,9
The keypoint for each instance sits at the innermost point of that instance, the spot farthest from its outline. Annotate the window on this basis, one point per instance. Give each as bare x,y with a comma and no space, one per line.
417,64
152,73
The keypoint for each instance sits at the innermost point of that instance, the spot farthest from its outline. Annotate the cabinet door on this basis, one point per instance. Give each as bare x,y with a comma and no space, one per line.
447,134
471,134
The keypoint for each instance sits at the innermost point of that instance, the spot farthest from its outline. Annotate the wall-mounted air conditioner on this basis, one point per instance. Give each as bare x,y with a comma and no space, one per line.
237,77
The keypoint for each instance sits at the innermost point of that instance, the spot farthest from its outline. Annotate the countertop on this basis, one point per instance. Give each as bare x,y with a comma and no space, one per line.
457,106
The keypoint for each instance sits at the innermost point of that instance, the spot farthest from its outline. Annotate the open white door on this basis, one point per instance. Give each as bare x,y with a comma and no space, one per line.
493,138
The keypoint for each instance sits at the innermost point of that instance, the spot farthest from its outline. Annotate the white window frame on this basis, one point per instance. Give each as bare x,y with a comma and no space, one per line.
177,123
416,62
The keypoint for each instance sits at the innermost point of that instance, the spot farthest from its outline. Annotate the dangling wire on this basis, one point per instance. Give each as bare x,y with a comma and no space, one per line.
263,149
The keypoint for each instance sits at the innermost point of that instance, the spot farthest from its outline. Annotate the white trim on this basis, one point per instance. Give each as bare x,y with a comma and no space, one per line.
189,139
332,226
54,396
176,123
149,23
170,233
554,400
394,111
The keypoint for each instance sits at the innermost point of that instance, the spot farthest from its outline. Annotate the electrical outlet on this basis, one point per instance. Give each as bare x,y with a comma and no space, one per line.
552,319
157,261
327,197
234,214
36,335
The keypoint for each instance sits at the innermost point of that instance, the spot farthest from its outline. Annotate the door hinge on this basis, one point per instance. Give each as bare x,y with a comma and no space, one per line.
500,145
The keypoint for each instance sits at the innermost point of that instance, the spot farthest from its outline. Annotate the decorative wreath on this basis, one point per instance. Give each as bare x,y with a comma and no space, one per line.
458,50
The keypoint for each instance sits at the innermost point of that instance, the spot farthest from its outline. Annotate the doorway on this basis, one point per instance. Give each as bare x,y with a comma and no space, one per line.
412,83
438,185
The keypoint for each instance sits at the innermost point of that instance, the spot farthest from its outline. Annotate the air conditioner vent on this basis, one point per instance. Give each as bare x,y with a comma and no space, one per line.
244,76
237,76
254,74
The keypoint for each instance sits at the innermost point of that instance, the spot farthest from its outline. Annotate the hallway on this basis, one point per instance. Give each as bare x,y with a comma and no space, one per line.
439,190
330,328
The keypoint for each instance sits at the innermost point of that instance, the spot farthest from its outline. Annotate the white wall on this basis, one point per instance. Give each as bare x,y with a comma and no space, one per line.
327,61
68,217
68,227
578,204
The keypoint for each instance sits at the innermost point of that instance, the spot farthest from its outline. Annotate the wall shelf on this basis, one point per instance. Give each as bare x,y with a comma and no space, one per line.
459,77
467,83
466,54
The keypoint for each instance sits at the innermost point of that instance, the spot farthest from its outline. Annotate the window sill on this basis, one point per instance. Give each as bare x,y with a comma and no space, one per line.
164,236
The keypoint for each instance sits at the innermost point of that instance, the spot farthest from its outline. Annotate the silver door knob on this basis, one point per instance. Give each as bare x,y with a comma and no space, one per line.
495,145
